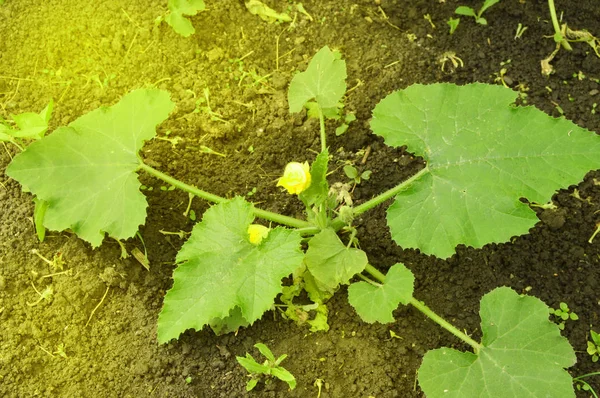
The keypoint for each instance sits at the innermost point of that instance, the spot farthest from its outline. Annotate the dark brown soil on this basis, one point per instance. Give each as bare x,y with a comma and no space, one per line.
87,54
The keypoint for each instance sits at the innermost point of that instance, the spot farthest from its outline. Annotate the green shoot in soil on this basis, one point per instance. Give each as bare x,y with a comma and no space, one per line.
584,385
453,24
178,10
482,155
470,12
563,314
593,347
271,367
27,126
356,177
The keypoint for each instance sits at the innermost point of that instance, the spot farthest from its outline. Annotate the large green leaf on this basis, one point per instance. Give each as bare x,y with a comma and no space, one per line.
87,172
522,355
324,80
330,262
220,270
482,154
375,303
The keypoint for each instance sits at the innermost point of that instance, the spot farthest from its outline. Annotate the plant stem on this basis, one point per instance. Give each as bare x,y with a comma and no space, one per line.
557,30
445,324
375,273
267,215
377,200
429,313
322,129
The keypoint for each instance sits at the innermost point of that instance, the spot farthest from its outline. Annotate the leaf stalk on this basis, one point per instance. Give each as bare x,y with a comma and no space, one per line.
322,129
429,313
445,324
390,193
264,214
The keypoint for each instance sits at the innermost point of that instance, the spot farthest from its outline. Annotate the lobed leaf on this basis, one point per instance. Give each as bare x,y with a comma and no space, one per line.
376,303
176,17
86,172
220,270
483,154
330,262
324,80
522,355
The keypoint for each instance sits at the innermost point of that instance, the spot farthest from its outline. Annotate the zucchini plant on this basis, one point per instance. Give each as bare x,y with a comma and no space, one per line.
482,155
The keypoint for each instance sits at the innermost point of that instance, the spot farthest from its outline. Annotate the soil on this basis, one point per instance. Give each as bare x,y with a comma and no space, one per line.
104,308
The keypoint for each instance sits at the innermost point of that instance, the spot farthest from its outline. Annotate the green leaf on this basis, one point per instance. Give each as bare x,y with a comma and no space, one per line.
324,80
86,172
265,351
376,303
464,10
330,262
180,24
251,384
487,4
341,129
284,375
219,269
318,190
522,355
32,125
595,337
350,171
230,323
39,212
176,19
250,364
482,154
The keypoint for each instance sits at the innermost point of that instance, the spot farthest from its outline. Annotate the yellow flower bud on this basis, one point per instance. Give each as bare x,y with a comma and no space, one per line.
296,177
256,233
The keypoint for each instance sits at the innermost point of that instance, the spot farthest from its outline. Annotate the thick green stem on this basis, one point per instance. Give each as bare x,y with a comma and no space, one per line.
267,215
374,272
322,129
445,324
377,200
429,313
556,25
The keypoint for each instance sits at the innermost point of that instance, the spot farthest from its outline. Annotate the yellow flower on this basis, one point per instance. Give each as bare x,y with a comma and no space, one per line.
256,233
296,177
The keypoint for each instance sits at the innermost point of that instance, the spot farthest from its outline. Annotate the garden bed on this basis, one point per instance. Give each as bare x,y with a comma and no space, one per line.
104,308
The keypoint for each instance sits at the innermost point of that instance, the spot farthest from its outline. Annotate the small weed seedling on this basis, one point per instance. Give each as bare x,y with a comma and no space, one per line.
468,11
520,30
453,24
450,56
46,294
467,194
563,314
176,16
352,173
270,368
26,126
593,347
583,385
